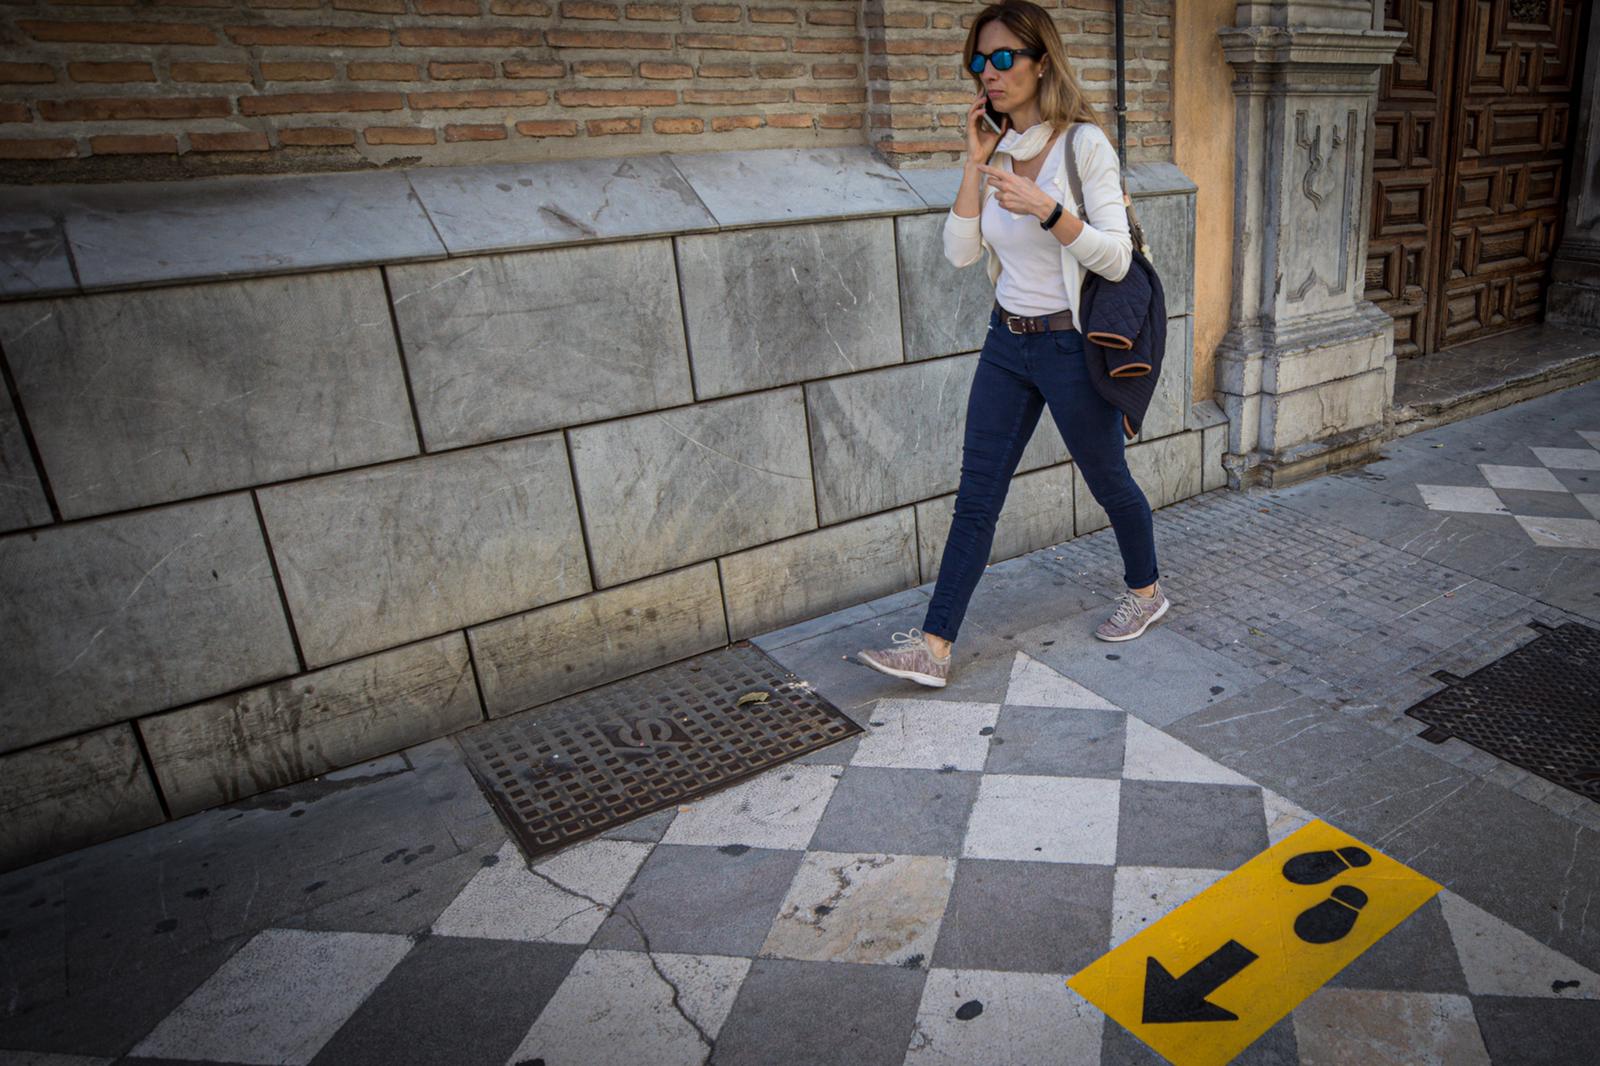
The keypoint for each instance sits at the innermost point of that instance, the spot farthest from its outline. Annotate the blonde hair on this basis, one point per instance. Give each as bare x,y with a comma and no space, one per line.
1061,99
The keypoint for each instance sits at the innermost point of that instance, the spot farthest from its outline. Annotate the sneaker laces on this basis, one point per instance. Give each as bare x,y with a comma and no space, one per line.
913,640
1127,608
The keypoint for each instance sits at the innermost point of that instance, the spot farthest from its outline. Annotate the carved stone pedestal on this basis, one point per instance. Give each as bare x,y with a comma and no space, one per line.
1306,373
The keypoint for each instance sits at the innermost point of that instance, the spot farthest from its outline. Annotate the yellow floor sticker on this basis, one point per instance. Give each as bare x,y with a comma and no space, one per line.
1204,982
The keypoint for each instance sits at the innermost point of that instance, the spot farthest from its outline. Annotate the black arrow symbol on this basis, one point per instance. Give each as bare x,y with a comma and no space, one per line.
1183,999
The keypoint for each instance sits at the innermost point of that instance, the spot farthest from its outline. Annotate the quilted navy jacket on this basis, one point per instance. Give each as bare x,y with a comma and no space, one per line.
1124,326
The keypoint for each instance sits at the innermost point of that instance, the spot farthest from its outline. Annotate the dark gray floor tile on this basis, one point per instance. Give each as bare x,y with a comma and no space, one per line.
1544,504
897,812
1418,955
453,1000
1060,743
842,1014
1176,823
1025,917
408,904
1538,1032
701,900
646,829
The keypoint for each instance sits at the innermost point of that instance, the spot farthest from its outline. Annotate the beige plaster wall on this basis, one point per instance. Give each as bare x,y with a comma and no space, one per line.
1203,149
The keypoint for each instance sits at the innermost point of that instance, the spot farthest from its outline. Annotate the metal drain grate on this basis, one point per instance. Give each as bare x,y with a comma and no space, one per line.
584,764
1537,708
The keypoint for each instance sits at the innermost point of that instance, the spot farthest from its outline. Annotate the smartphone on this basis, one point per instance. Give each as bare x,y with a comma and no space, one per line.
992,117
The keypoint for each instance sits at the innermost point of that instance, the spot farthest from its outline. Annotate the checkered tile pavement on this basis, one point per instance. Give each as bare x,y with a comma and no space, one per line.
917,894
1560,490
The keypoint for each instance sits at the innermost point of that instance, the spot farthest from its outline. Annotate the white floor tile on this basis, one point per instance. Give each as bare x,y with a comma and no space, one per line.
1562,532
1003,1019
1569,458
1033,684
1590,435
1591,500
1284,818
278,999
1339,1026
507,901
1044,819
883,909
1536,478
614,1007
779,808
1151,755
1499,960
1461,498
927,735
1143,895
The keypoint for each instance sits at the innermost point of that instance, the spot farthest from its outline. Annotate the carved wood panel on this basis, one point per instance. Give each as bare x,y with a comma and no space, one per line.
1469,174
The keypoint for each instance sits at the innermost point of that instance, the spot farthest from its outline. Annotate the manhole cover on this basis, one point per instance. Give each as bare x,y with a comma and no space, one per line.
581,765
1537,708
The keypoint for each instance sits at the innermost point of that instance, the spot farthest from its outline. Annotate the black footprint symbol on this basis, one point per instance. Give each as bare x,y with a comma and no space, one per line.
1315,867
1333,918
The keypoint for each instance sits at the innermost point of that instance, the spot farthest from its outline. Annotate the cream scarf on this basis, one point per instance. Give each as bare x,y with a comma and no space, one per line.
1023,146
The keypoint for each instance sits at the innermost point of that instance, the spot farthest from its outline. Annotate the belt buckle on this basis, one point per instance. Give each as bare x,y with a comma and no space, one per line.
1009,319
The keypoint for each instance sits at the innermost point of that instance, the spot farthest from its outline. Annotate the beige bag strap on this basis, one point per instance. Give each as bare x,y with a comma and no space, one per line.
1076,183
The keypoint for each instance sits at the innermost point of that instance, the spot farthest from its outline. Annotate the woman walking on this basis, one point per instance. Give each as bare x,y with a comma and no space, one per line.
1033,356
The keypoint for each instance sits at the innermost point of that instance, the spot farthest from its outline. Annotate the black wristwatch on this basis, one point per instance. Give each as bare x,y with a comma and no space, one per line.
1055,216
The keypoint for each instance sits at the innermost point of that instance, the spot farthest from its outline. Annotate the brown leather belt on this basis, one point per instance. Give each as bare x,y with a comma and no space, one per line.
1036,324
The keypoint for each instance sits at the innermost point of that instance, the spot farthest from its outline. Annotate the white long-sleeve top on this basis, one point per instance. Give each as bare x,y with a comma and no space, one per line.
1104,246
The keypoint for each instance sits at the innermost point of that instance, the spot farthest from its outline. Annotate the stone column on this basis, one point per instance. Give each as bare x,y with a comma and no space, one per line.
1574,295
1306,370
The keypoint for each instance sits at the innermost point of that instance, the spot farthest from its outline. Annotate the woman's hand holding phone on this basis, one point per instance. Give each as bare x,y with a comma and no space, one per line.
981,136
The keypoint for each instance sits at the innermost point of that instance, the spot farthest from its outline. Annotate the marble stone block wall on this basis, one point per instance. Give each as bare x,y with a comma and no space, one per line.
253,529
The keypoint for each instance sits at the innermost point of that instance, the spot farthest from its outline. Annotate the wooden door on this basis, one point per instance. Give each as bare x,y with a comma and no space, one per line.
1473,130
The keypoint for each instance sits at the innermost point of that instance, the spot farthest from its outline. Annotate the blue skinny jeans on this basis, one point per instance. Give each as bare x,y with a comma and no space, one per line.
1018,375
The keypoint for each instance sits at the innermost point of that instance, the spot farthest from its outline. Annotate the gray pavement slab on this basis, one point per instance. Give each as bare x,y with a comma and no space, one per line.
1025,917
900,812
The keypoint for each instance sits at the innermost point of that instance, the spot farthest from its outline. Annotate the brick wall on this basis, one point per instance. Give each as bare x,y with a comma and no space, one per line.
117,89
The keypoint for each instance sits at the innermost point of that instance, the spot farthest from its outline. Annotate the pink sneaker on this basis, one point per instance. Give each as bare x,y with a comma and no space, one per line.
1134,614
910,658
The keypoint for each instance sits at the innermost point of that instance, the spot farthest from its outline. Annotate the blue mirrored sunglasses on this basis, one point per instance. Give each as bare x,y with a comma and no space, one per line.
1002,58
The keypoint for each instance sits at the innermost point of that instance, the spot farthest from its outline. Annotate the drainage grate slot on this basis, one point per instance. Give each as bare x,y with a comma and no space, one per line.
1537,708
582,765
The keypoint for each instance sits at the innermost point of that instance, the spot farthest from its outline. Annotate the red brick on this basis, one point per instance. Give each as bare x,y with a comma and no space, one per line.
297,71
633,42
457,71
830,96
210,73
779,71
837,44
776,14
545,128
519,8
921,47
25,74
731,42
134,144
481,131
943,22
118,32
724,70
715,13
602,68
300,4
602,127
382,72
446,7
585,9
791,122
15,113
309,36
616,97
110,72
507,38
517,68
835,71
736,96
399,135
679,125
665,71
728,123
316,136
655,12
115,109
383,7
835,18
477,98
249,141
314,103
38,148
